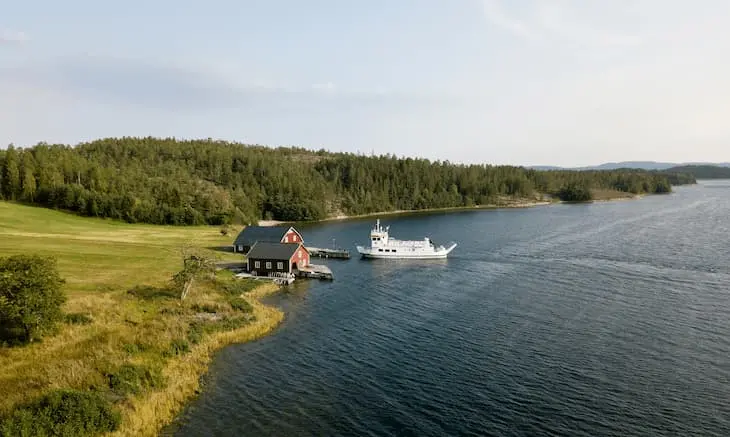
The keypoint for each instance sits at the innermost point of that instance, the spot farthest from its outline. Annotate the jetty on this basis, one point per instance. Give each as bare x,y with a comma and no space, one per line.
315,271
329,253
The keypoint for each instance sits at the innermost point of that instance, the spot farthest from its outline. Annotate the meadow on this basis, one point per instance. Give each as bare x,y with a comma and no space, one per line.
128,335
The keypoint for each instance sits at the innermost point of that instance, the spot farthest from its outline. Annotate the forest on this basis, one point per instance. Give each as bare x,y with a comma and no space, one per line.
703,171
191,182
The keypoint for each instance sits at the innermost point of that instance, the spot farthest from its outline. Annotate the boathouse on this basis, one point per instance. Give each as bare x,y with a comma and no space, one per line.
267,257
270,234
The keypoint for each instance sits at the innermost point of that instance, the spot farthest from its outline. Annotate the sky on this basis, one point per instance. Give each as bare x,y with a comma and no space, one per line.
521,82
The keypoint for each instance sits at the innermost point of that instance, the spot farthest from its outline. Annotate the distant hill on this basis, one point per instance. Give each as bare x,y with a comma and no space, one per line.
643,165
702,171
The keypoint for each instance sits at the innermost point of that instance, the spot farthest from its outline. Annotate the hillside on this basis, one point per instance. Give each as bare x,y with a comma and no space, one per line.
703,171
167,181
640,165
117,277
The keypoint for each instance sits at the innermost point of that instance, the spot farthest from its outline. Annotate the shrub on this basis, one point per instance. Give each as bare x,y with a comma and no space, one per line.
147,292
136,348
236,287
62,413
205,308
78,319
133,378
178,346
240,304
574,192
30,297
195,332
199,329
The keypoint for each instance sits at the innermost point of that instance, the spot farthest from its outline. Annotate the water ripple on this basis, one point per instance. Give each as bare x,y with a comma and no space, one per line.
598,320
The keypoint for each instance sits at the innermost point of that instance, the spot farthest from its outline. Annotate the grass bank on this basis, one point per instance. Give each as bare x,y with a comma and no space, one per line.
129,338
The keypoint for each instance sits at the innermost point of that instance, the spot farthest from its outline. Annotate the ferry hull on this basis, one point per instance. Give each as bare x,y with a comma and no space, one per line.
367,252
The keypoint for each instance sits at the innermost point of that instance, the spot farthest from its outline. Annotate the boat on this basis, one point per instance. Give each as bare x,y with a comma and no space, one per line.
383,246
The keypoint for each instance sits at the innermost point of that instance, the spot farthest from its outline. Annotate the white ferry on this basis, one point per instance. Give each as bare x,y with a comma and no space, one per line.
382,246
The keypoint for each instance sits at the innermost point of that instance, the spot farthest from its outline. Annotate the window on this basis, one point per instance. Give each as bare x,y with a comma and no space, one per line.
257,264
268,265
380,250
300,254
240,248
280,265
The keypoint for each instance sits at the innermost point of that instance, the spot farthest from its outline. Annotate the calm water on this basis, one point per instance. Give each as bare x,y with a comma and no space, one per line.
585,320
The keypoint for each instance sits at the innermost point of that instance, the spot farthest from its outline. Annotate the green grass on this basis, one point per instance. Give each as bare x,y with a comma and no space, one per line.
126,332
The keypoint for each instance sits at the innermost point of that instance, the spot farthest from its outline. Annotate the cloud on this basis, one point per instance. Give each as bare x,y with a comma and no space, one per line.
191,88
496,15
10,36
561,22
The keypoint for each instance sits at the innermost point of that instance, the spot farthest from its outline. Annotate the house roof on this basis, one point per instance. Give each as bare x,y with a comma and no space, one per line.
268,250
251,234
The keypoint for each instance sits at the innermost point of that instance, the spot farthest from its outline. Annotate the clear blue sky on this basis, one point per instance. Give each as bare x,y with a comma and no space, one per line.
496,81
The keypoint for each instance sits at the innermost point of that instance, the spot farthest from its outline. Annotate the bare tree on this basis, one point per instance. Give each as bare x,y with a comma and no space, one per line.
195,265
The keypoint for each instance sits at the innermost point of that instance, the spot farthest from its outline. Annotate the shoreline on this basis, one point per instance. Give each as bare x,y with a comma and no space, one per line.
148,414
508,204
518,204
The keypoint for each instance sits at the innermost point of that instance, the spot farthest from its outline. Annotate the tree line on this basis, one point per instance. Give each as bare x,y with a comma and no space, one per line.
190,182
703,171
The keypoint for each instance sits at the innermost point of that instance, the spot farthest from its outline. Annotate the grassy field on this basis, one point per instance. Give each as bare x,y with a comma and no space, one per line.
118,274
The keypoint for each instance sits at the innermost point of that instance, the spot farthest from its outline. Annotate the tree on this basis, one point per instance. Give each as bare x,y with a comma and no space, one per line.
195,265
11,174
30,297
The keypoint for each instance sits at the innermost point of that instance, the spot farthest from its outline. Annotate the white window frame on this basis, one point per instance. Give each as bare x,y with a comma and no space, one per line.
279,265
268,265
257,264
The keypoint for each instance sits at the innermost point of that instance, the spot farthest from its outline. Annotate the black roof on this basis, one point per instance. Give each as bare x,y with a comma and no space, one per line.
267,250
251,234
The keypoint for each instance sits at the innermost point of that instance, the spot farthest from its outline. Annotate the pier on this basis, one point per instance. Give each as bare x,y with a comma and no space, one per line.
315,271
329,253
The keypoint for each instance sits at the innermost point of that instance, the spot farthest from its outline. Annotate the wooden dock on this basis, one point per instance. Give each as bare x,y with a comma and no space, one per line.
328,253
315,271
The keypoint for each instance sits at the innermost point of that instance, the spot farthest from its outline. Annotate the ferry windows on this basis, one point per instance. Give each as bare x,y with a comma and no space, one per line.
380,250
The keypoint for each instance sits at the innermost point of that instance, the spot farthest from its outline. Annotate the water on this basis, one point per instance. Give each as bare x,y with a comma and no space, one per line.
610,319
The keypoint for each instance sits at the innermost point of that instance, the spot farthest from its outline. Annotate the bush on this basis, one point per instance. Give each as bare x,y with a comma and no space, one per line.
178,346
205,308
574,192
62,413
237,287
240,304
147,292
30,297
78,319
196,332
133,378
198,329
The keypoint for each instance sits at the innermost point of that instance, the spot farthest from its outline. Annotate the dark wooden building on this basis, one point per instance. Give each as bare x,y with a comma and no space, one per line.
270,234
266,257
